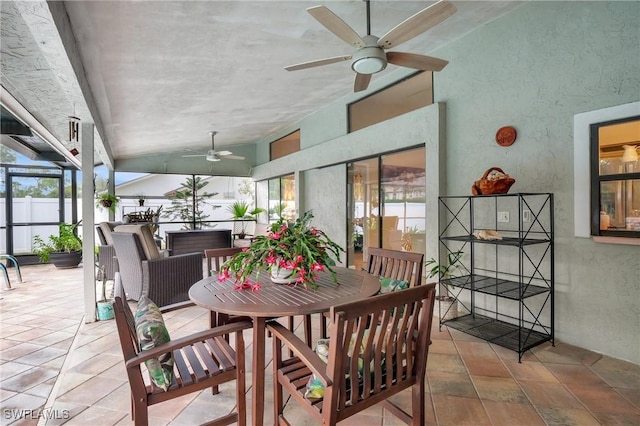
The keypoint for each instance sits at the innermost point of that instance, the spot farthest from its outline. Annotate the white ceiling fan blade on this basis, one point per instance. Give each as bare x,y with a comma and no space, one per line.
362,82
336,25
317,63
233,157
417,24
195,155
223,152
412,60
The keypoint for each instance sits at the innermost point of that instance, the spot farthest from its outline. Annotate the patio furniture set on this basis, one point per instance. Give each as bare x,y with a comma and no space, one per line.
379,342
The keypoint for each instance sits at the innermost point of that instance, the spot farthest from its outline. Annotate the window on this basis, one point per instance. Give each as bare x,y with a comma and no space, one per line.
282,198
615,178
386,204
408,95
285,145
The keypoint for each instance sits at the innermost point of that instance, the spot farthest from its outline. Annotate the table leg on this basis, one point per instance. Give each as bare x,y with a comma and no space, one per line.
257,391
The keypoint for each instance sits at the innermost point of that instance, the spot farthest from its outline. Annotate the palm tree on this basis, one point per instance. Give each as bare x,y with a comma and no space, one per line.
240,212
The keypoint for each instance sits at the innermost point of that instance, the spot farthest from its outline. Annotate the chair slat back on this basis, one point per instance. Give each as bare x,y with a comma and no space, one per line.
124,320
127,335
378,347
396,264
216,257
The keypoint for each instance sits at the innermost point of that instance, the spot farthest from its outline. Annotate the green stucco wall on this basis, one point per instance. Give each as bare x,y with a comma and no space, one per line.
534,69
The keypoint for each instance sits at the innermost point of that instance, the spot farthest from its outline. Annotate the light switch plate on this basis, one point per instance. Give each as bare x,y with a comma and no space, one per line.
503,217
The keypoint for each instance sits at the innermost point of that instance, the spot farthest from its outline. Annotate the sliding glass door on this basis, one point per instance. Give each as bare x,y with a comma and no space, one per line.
282,198
386,204
403,201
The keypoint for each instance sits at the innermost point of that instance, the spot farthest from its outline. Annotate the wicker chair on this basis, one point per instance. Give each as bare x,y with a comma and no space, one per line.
165,280
106,251
217,362
388,358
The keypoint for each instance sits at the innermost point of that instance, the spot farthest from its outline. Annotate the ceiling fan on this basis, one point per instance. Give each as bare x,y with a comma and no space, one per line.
213,155
370,56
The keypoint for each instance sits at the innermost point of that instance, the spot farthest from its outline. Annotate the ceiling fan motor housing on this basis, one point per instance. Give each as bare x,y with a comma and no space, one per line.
212,156
369,59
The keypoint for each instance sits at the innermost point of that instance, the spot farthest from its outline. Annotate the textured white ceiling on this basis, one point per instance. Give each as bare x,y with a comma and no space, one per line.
162,74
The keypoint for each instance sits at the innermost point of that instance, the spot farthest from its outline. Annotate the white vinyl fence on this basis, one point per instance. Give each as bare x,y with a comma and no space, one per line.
28,209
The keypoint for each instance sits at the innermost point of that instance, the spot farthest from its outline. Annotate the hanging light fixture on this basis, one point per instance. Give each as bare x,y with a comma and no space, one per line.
358,187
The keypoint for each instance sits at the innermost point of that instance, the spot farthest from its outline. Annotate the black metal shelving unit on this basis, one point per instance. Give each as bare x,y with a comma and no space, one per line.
504,288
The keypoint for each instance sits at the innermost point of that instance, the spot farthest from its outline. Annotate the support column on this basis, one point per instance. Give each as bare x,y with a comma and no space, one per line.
299,193
111,188
88,223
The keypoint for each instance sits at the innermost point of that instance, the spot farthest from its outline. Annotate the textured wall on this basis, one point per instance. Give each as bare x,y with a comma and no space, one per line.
325,184
535,69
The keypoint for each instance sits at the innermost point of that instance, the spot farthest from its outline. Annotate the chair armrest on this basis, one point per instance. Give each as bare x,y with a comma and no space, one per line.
178,257
176,306
302,351
222,330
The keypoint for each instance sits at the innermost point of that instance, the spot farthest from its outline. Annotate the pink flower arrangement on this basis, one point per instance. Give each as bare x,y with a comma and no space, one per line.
296,247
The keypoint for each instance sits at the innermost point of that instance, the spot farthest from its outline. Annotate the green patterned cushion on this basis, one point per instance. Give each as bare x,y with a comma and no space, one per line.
387,285
315,388
152,332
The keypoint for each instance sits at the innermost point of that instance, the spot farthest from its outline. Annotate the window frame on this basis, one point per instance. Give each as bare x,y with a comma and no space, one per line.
596,179
285,145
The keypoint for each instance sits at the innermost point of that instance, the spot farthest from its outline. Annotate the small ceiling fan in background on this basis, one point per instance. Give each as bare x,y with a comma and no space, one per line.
213,155
370,56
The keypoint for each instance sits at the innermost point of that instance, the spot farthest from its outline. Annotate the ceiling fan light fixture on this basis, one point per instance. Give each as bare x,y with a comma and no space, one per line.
212,157
369,60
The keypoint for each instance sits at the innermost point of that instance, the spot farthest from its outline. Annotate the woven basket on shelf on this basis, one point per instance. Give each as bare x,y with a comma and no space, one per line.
484,186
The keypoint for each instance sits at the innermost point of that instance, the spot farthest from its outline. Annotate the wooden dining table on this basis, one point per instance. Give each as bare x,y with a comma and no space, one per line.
278,300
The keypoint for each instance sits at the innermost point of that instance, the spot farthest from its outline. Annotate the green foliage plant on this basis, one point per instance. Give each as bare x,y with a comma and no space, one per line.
277,210
187,203
446,270
101,277
107,201
65,241
297,247
240,211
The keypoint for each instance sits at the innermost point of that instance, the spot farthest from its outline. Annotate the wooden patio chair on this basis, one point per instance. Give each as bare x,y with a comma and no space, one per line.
201,360
215,260
368,361
394,264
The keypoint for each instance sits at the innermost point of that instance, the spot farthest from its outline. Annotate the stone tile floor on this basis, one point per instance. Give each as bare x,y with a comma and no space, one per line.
57,369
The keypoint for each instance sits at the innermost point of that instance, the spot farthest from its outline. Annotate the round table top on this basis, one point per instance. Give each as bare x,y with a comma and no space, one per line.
276,300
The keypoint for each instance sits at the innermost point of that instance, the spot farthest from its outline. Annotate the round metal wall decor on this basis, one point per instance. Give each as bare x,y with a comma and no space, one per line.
506,136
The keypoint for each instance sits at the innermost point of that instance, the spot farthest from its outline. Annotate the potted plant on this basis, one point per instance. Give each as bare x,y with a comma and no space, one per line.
445,271
107,201
141,199
291,252
63,250
104,305
240,212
